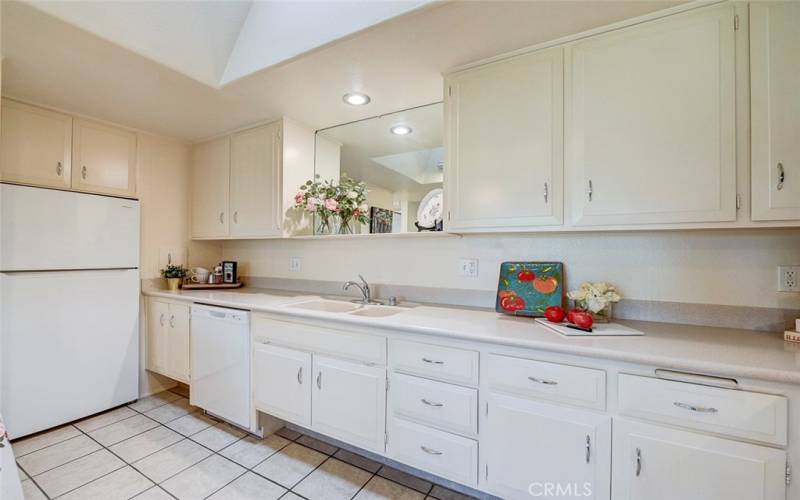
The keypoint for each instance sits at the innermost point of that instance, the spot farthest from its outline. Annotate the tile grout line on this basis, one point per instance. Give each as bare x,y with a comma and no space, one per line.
30,478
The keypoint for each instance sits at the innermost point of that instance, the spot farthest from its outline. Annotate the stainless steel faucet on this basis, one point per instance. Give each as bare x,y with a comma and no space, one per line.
366,293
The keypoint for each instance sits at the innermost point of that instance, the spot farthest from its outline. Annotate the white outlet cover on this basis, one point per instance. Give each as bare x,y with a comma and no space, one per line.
468,268
789,278
294,264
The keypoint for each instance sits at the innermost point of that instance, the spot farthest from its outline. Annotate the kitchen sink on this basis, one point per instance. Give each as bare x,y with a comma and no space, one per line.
333,306
377,311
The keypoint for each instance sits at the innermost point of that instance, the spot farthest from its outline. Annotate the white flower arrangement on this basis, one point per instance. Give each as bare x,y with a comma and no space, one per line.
595,296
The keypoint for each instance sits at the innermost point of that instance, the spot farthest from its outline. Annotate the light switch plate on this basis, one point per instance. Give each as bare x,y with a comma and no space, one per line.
468,268
789,278
294,264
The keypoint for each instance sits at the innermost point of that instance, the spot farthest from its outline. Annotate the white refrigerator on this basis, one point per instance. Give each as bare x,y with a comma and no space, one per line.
69,306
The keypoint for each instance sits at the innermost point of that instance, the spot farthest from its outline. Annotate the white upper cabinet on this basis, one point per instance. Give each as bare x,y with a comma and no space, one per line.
103,159
255,189
504,144
658,463
36,146
775,109
210,188
650,122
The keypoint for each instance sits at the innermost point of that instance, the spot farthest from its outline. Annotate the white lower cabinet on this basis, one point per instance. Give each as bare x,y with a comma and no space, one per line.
282,382
441,453
532,449
168,339
658,463
349,402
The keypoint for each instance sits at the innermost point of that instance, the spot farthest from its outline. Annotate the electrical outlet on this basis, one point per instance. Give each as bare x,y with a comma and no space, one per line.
468,268
789,278
294,264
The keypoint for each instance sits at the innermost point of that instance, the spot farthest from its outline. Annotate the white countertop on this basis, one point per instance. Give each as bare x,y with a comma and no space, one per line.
718,351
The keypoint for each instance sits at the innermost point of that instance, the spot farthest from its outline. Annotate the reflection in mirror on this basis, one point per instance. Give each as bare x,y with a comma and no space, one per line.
390,169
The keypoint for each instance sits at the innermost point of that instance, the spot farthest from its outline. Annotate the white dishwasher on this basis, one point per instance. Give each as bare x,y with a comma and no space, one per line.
220,346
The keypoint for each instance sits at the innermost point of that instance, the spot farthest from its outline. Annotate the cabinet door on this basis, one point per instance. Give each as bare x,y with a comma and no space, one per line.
349,402
282,383
210,184
775,109
505,144
533,449
659,463
178,342
157,327
104,159
651,122
255,182
36,146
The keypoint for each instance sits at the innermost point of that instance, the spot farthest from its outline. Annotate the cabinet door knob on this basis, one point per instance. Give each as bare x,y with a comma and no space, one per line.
781,176
300,376
638,462
84,172
319,380
59,169
546,193
221,216
591,190
588,448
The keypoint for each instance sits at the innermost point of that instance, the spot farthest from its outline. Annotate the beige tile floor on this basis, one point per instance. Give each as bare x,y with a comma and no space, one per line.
160,447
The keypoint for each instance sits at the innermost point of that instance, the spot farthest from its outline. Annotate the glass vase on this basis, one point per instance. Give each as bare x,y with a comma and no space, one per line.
346,225
323,226
601,316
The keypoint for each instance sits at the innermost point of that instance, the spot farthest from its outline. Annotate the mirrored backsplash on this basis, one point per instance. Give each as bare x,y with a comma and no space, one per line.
383,174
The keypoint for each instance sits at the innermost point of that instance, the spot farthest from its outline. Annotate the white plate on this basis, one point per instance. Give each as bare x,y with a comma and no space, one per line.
430,209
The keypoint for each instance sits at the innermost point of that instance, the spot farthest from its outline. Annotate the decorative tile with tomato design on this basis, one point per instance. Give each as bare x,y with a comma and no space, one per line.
528,288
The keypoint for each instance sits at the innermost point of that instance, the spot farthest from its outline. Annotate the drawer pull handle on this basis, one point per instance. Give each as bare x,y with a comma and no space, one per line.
172,321
161,319
781,176
588,448
542,381
638,462
300,376
431,403
319,381
430,451
433,361
262,340
698,409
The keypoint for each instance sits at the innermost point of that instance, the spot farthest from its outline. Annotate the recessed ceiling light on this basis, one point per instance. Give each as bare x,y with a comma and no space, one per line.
401,130
356,99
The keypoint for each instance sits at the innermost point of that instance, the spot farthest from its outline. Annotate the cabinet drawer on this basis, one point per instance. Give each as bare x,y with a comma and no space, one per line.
749,415
569,384
441,453
338,343
443,405
444,363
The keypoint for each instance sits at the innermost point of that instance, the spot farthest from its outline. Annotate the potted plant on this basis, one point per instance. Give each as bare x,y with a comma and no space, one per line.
327,200
174,276
596,299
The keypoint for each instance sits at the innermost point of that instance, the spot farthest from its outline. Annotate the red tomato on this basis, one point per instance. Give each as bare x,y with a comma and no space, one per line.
512,303
571,315
555,314
526,276
583,319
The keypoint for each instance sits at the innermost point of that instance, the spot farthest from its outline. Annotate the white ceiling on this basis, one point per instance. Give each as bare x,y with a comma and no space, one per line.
398,62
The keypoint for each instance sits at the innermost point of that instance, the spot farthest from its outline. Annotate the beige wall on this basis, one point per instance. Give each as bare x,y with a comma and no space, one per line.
729,267
164,193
